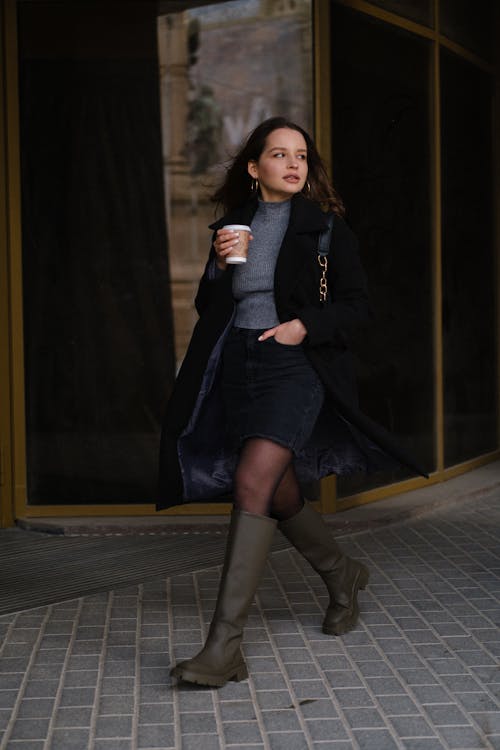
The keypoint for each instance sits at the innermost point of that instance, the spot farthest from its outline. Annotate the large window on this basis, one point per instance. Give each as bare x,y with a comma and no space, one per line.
98,353
469,283
381,165
224,68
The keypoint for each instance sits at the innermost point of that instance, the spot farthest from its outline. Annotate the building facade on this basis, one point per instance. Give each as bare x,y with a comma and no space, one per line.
116,121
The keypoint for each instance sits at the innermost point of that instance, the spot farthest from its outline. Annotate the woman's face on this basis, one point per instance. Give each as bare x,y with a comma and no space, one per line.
282,166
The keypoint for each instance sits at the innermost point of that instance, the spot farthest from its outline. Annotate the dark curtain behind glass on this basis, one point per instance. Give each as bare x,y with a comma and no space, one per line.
381,166
469,271
98,336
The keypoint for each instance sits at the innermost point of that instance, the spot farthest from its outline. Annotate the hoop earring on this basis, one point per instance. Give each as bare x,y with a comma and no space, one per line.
255,186
308,188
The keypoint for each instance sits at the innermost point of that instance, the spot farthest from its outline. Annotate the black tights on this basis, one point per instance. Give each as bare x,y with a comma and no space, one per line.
265,482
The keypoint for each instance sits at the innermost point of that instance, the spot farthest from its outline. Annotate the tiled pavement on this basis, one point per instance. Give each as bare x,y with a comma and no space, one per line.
421,670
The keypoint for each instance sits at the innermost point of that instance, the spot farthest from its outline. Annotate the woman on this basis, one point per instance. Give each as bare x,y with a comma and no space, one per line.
265,398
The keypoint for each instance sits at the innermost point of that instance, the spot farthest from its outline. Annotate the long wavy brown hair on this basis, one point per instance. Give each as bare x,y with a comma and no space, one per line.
236,188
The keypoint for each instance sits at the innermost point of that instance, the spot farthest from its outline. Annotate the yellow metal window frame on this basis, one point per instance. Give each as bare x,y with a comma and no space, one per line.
13,498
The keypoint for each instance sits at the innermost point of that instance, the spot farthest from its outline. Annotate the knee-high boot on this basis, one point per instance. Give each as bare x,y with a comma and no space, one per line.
343,576
220,660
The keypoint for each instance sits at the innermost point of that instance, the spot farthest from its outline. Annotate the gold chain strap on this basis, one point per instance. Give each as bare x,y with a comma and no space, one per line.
323,283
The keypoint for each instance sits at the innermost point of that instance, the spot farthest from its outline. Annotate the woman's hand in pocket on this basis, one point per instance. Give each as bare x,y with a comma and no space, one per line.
292,333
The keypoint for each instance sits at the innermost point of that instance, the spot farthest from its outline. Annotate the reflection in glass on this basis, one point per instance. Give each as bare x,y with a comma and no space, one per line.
469,289
224,68
380,139
469,23
97,316
415,10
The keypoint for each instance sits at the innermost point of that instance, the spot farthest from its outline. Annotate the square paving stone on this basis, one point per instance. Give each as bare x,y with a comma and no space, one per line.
36,708
488,721
41,688
8,698
198,723
237,711
374,669
238,733
233,691
121,744
117,685
281,720
201,742
374,739
272,699
321,708
353,698
397,705
287,741
411,726
345,679
461,683
462,737
262,664
334,662
190,699
406,661
81,678
116,704
446,715
114,726
394,646
30,729
423,743
70,739
77,697
477,702
156,713
364,718
76,663
73,717
156,736
385,686
417,676
272,681
308,689
326,729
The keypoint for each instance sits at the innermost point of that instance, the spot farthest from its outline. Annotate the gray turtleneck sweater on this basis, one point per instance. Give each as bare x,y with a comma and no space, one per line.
253,281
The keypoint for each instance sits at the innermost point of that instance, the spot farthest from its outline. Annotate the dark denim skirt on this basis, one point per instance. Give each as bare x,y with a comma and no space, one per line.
270,390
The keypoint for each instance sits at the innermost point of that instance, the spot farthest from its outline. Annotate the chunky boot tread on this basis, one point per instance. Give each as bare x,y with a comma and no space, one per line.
186,674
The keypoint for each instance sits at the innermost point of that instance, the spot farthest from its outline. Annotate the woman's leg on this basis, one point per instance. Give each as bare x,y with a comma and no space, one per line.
287,500
262,467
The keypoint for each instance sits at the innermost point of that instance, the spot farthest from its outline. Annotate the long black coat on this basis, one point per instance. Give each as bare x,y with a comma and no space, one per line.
195,462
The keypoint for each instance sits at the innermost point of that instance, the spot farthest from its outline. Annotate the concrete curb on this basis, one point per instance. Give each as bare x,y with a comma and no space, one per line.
397,509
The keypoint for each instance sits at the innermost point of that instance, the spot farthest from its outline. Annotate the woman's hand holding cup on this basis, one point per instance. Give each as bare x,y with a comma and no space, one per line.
231,244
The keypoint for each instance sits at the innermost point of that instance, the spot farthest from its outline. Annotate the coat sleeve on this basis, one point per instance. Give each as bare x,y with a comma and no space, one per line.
348,310
209,283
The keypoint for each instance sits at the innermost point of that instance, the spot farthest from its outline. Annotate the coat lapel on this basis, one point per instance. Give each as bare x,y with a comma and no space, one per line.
307,220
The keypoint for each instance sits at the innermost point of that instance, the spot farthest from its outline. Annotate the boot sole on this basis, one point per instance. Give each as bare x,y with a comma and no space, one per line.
347,625
198,678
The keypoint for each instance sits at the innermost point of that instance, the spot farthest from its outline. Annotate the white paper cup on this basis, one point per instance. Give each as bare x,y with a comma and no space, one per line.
239,252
